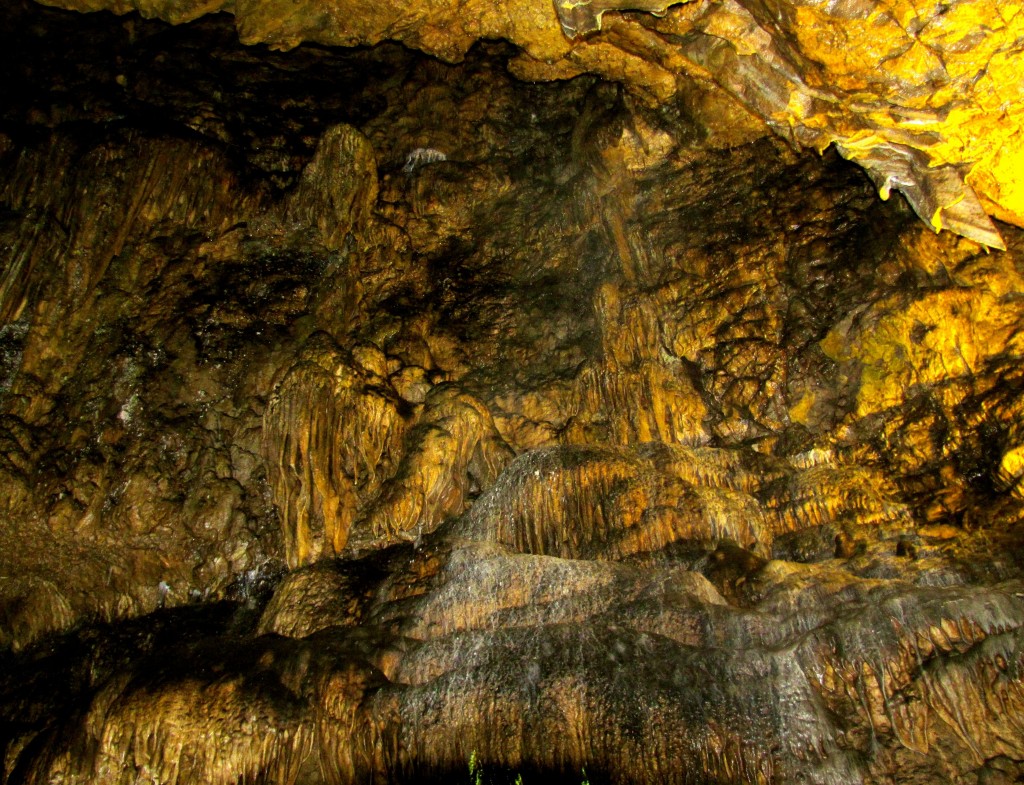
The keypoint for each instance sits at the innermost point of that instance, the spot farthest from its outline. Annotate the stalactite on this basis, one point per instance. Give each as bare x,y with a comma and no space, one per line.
362,414
453,447
331,432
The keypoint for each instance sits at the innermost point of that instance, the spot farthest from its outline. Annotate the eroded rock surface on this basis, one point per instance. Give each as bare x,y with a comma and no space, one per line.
363,414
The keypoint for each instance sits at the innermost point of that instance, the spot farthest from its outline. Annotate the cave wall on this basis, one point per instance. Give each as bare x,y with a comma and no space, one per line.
363,412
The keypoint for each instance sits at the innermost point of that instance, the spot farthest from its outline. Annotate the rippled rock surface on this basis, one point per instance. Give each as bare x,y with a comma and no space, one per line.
362,416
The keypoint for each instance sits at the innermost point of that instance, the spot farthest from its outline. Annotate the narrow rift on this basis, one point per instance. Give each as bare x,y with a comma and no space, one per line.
369,418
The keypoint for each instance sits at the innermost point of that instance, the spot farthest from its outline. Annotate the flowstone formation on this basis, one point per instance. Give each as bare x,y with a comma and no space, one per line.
364,415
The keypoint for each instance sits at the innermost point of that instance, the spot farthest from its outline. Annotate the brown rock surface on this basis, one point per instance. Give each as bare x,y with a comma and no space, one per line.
926,96
362,414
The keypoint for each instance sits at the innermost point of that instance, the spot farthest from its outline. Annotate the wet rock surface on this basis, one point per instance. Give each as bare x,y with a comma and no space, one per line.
363,415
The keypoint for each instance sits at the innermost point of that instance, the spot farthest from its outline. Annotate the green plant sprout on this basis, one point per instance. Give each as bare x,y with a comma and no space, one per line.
476,770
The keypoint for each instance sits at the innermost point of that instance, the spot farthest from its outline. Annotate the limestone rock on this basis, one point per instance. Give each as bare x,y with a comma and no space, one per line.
924,97
364,414
454,451
31,606
338,187
329,433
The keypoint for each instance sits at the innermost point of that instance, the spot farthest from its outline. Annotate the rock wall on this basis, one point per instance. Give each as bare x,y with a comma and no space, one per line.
364,415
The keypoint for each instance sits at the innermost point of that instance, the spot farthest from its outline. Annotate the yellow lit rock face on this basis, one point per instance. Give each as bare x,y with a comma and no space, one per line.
363,414
942,81
952,332
926,96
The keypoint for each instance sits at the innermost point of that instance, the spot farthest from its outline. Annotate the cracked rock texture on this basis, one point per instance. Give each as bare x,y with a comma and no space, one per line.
363,414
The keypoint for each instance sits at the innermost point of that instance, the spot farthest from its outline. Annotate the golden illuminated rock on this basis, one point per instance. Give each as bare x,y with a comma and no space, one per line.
363,415
927,97
329,433
31,607
338,187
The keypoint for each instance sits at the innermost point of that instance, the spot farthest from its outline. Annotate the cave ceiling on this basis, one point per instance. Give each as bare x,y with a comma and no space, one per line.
387,390
926,96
